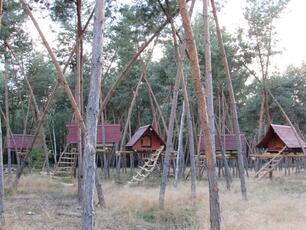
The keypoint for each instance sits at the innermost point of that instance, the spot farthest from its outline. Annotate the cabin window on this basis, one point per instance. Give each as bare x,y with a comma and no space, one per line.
146,141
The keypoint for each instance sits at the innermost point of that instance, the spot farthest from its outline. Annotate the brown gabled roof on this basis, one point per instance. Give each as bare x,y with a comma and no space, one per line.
139,134
285,133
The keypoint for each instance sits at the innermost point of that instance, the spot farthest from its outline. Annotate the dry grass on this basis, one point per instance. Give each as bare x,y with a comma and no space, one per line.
40,203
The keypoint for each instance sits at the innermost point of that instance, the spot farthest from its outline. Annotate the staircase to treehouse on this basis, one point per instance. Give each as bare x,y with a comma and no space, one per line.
148,167
66,164
270,165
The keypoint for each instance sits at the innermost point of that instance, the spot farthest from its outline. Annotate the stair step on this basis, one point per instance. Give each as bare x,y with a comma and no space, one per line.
71,153
68,158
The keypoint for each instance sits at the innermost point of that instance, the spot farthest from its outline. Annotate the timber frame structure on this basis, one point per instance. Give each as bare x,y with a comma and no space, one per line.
282,149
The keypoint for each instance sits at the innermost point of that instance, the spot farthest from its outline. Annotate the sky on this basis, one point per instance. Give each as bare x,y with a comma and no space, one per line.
289,27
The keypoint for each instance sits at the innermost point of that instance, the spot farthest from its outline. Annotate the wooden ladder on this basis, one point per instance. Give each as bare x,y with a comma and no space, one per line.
270,165
148,167
66,163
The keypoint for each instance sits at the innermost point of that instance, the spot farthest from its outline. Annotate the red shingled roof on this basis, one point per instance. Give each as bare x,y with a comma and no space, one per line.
285,133
112,133
20,141
231,143
139,133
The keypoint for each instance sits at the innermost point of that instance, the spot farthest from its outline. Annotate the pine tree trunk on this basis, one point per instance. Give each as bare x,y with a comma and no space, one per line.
180,150
190,137
169,143
1,181
7,136
78,73
208,76
232,106
88,220
215,218
226,167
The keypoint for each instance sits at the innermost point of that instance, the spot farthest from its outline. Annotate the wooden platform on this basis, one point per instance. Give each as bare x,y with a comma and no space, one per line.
265,156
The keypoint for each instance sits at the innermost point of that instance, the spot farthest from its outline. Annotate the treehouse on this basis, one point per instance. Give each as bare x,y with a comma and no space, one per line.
20,142
279,136
109,134
145,139
229,143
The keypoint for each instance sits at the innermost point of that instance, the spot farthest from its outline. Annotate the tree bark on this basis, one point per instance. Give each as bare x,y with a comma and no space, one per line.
78,73
208,76
232,105
190,137
7,136
215,218
1,181
180,150
88,220
169,143
226,167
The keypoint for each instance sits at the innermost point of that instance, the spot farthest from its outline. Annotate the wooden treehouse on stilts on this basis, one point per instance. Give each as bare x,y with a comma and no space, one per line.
20,145
282,149
108,137
227,143
144,148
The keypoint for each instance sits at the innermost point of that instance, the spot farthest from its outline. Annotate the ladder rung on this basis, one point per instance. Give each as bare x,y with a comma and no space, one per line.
68,158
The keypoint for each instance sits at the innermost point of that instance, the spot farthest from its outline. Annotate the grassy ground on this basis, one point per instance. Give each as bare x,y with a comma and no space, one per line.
45,203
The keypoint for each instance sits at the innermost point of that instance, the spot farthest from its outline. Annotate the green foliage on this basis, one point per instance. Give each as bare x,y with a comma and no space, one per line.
38,158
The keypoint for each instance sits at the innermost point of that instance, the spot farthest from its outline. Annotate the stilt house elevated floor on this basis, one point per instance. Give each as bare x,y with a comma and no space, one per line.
279,136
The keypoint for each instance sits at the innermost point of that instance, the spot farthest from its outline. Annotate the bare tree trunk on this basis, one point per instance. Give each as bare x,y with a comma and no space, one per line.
226,167
1,181
215,218
88,220
261,113
7,136
190,137
99,190
232,105
78,73
267,112
180,150
208,76
169,144
54,143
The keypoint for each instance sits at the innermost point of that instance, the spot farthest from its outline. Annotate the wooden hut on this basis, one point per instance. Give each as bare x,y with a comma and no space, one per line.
145,139
21,142
107,133
279,136
228,141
